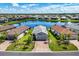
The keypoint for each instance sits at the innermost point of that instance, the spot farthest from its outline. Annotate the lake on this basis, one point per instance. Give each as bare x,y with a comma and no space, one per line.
32,24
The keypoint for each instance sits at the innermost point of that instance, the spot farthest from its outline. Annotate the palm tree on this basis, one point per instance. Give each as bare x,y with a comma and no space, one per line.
62,37
67,39
68,35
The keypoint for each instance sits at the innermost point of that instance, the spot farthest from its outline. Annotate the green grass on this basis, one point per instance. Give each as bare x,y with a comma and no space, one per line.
53,45
64,20
22,44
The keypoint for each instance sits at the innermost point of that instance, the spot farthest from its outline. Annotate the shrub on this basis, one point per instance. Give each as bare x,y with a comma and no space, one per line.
2,36
66,42
64,47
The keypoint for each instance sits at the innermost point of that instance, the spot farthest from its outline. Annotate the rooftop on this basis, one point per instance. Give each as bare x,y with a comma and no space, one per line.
18,30
62,30
73,25
39,29
7,27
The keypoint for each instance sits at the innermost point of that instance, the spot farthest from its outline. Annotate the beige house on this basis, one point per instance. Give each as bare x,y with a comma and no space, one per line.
19,32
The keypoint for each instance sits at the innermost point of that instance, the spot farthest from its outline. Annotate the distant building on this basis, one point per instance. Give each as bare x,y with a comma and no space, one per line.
58,30
40,33
73,17
53,17
63,17
19,32
3,19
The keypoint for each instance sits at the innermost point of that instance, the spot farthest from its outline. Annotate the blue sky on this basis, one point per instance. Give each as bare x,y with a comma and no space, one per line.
26,8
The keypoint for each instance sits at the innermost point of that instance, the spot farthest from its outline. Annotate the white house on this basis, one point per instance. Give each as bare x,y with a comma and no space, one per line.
40,33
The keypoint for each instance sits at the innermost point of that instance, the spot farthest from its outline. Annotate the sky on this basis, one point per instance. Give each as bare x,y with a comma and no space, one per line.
29,8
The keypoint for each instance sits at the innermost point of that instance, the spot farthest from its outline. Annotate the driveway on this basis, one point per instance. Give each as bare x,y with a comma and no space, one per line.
75,42
4,45
41,46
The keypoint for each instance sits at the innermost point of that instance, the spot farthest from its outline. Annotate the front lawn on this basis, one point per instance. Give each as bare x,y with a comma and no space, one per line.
24,44
54,46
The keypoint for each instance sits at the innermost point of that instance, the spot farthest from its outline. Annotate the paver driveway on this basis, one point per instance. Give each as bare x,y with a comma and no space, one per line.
75,42
41,46
4,45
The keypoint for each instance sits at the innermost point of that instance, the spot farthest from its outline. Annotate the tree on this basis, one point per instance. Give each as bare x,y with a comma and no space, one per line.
66,41
68,35
62,36
29,40
78,36
2,36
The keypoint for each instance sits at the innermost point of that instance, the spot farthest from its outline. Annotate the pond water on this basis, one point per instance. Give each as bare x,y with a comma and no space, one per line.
32,24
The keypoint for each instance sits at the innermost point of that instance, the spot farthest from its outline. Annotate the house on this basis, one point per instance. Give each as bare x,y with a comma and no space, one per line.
53,17
7,27
40,33
58,30
73,17
73,27
18,32
3,19
63,17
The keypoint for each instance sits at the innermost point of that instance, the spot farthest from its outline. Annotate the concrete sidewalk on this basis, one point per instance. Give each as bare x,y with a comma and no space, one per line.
41,46
4,45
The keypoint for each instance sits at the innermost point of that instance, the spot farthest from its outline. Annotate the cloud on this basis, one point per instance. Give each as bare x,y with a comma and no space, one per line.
32,5
15,4
34,8
28,5
24,6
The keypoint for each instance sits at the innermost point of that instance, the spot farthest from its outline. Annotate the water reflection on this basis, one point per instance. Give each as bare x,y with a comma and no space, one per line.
32,24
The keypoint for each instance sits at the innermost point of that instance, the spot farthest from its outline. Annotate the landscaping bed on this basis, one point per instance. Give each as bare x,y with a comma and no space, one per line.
24,44
54,45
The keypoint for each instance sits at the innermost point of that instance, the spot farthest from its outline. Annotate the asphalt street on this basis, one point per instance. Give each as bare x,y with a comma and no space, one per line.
4,53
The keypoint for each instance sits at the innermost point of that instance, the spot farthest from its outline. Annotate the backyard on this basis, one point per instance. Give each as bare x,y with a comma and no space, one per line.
54,45
24,44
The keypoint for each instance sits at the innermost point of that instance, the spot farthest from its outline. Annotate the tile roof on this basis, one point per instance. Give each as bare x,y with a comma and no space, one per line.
39,29
72,26
18,30
62,30
7,27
